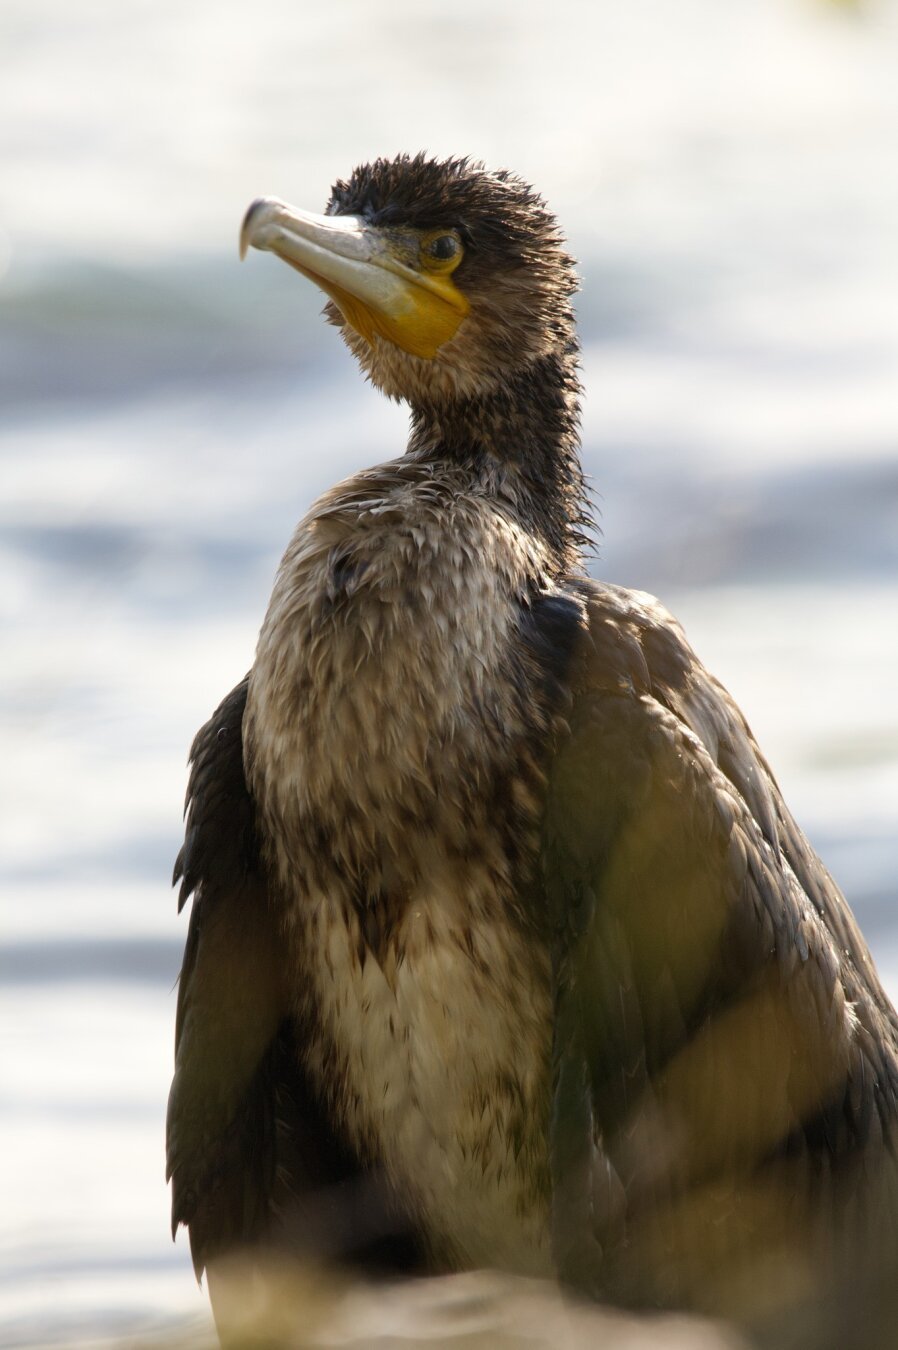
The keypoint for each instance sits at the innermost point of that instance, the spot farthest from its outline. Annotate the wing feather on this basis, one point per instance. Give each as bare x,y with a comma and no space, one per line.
711,984
231,1004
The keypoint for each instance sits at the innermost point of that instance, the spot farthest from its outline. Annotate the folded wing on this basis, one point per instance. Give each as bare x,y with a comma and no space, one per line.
725,1060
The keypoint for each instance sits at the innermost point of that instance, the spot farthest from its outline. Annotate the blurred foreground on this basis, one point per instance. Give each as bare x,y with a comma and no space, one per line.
315,1309
480,1311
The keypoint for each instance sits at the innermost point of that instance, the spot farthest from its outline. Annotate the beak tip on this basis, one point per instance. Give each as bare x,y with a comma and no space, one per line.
249,222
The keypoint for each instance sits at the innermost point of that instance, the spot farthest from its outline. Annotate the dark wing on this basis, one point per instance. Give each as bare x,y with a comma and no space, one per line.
724,1059
252,1156
221,1135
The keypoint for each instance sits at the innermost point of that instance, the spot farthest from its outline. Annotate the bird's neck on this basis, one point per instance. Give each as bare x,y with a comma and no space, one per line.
520,443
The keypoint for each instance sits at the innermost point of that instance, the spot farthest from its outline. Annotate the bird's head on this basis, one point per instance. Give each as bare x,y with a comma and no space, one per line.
446,280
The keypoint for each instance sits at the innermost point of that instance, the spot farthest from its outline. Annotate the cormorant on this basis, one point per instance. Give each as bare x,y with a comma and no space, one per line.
505,949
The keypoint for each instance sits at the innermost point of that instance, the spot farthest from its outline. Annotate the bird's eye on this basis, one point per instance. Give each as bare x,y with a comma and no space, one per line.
441,250
443,247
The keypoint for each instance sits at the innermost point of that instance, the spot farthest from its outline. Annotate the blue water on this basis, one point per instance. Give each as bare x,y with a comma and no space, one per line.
726,175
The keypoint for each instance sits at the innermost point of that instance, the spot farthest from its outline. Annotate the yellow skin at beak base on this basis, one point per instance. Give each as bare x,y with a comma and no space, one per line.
433,315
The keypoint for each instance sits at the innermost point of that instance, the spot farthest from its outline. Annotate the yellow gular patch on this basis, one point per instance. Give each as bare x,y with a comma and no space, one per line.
422,315
427,316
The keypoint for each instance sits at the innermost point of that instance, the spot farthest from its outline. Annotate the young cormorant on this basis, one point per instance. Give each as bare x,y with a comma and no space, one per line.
504,948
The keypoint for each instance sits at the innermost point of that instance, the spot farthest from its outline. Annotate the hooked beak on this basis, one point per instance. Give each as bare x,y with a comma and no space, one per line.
379,295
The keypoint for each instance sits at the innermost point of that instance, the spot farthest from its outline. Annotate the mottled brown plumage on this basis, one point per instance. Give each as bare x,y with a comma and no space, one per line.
503,940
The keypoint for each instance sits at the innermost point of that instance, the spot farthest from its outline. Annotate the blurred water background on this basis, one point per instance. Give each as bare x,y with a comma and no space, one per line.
727,174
